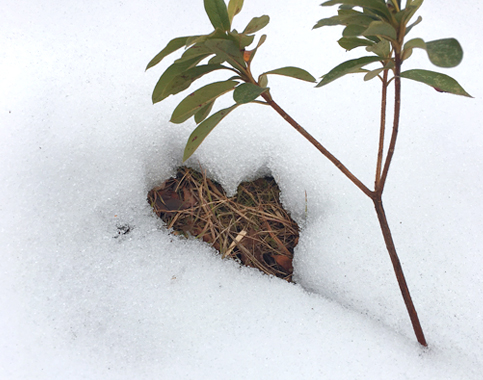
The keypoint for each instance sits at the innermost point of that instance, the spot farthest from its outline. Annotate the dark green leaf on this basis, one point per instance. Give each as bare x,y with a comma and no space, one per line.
445,53
198,99
256,24
234,7
376,7
350,43
218,14
171,47
182,81
381,29
200,133
352,30
241,39
347,67
331,21
247,92
228,51
293,72
382,49
440,82
195,51
203,113
159,92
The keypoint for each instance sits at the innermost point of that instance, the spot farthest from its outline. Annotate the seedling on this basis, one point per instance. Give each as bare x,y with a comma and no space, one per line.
378,25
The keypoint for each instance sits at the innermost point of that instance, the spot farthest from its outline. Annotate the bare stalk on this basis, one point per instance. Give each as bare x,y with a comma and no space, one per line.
382,130
318,145
403,286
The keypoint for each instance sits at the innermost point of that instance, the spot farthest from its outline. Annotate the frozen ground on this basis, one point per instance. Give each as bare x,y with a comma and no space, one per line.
82,144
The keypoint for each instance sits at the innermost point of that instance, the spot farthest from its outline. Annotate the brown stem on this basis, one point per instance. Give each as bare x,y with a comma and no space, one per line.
382,130
403,286
318,145
395,127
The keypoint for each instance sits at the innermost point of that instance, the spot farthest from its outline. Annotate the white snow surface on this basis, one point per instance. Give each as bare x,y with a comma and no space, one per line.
82,145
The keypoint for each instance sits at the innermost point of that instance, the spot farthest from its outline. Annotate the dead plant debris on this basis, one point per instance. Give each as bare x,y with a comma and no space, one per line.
251,227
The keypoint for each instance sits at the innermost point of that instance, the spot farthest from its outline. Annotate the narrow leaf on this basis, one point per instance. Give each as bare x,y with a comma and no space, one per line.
256,24
445,53
198,99
171,47
218,14
159,92
347,67
247,92
234,7
254,51
331,21
350,43
228,50
241,39
203,113
381,29
408,29
182,81
200,133
376,7
382,49
293,72
440,82
352,30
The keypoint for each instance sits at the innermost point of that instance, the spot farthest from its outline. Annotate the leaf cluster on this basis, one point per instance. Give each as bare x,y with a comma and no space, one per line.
223,49
381,27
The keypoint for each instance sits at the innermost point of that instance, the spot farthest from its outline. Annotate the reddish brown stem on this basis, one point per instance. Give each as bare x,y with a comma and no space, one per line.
403,286
318,145
382,130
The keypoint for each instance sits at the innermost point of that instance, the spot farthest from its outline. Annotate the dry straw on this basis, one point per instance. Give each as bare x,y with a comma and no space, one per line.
251,227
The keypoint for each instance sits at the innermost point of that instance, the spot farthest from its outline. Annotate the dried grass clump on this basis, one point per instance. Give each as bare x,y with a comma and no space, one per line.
252,227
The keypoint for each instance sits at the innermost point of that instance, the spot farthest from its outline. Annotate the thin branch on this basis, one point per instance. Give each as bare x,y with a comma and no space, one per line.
318,145
397,110
382,130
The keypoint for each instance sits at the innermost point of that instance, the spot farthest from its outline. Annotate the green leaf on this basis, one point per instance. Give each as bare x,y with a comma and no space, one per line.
445,53
171,47
203,113
440,82
408,29
194,51
381,29
294,72
347,67
198,99
182,81
241,39
247,92
382,49
331,21
254,51
218,14
159,92
376,7
350,43
234,7
263,80
200,133
256,24
372,74
353,30
228,51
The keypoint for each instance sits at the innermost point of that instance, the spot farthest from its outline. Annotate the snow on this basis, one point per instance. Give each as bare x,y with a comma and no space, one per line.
82,145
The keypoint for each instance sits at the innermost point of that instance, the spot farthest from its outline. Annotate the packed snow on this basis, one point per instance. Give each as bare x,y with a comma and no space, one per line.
82,144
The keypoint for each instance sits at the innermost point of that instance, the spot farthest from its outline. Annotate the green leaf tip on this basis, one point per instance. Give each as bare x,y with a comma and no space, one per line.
440,82
202,130
200,98
293,72
218,14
